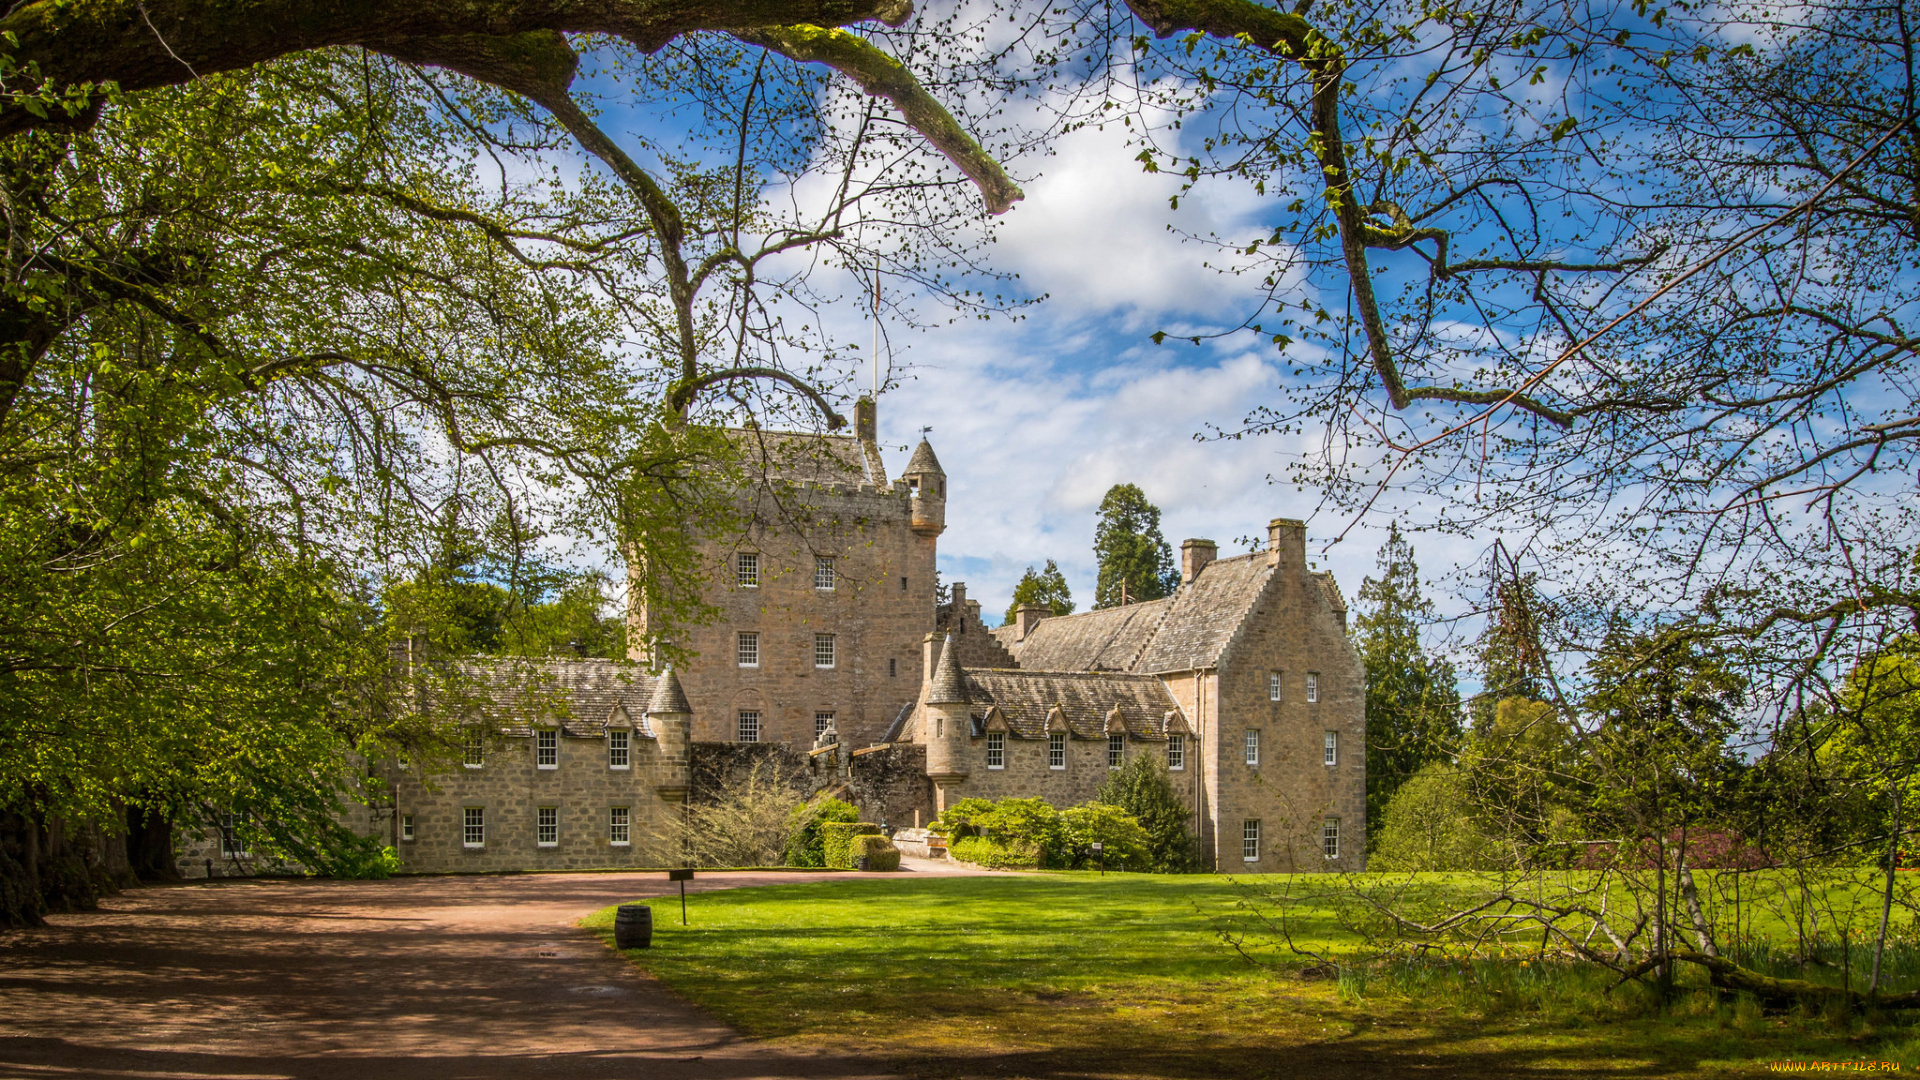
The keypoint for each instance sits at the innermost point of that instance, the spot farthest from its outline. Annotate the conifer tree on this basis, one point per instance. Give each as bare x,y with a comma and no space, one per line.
1413,706
1133,555
1048,588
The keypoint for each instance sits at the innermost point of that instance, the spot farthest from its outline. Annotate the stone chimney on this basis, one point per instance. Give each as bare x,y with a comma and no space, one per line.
1028,617
930,655
1194,557
957,613
866,420
1287,544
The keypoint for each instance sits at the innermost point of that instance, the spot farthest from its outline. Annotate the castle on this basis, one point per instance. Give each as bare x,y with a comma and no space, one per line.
831,643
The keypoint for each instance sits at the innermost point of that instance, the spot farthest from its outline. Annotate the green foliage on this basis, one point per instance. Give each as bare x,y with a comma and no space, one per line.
996,854
1511,651
1023,823
1413,707
1523,776
836,841
1125,845
805,844
958,820
876,849
1144,789
1047,588
1131,552
1429,824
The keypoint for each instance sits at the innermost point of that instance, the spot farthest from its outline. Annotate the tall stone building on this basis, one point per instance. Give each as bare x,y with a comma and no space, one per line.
1243,681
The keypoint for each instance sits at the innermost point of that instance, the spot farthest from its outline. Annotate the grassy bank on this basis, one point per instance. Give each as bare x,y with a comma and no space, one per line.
1126,975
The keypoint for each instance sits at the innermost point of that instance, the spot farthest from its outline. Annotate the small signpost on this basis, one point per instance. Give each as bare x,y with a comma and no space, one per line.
682,876
1099,856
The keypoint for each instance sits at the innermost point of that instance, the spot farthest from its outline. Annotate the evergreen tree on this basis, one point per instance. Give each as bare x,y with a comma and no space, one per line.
1047,588
1511,653
1143,788
1131,551
1413,706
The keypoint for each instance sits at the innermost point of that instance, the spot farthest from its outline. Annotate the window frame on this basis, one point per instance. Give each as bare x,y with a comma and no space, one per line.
1116,751
232,844
473,827
746,569
745,722
1330,837
1056,749
473,747
619,748
1250,840
996,749
1276,686
823,571
746,643
620,826
546,826
1330,748
822,719
1176,752
406,828
1252,746
824,646
1313,687
546,748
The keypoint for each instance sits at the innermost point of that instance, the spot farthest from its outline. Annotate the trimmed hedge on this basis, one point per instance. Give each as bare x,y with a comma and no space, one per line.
803,829
877,850
836,839
994,855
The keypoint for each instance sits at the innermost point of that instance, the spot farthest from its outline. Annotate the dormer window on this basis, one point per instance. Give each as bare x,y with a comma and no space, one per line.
746,569
1057,750
546,748
618,748
1116,751
996,749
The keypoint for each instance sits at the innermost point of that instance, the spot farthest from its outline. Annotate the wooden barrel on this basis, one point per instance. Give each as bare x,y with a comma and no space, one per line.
633,927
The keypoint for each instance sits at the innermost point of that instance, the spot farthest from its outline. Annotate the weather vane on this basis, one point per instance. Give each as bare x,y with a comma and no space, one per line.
926,429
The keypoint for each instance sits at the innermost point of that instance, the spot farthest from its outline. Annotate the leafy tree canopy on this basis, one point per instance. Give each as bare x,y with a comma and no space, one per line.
1047,588
1134,558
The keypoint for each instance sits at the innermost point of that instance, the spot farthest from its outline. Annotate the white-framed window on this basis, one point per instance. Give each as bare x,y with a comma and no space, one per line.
1116,751
996,749
746,648
1057,750
823,650
233,843
1330,837
823,574
1332,748
546,748
1273,686
473,746
821,722
1313,686
1253,746
619,748
546,826
1250,840
1176,752
406,826
748,726
746,569
473,827
619,826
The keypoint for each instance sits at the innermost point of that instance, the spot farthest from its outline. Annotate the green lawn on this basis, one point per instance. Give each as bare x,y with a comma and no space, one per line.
1062,975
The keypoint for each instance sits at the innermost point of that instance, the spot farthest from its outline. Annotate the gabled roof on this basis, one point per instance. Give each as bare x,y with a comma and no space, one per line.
1204,615
1085,701
579,696
1110,639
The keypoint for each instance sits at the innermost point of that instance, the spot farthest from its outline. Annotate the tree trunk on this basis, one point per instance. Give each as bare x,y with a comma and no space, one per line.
1886,898
150,845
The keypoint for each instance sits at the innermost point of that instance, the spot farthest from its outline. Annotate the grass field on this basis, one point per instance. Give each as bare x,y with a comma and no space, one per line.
1062,975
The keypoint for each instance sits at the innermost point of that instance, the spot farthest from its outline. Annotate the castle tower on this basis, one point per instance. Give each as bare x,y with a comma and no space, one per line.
671,719
928,482
944,726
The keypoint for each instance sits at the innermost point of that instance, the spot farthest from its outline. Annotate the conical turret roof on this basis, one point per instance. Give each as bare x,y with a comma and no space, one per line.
668,698
923,461
949,685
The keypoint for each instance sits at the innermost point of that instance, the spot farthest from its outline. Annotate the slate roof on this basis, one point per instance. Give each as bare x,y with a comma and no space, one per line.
1085,699
948,688
1110,639
667,695
800,457
580,696
923,461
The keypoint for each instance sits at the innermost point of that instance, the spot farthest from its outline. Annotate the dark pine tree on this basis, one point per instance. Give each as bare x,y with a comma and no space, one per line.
1048,588
1413,705
1133,555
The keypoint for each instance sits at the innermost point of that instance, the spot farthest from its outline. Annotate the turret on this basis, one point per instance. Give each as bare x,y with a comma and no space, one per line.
945,721
928,482
671,719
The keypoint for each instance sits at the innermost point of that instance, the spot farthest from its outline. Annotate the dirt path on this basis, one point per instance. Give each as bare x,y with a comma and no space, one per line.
418,978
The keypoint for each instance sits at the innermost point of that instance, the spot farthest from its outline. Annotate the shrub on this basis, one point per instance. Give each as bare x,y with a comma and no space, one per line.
877,850
983,851
804,844
746,823
1144,789
836,841
957,821
1022,823
1429,825
1116,831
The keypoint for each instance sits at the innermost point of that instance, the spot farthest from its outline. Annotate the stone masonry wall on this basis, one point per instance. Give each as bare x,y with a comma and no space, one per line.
1027,774
1291,792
